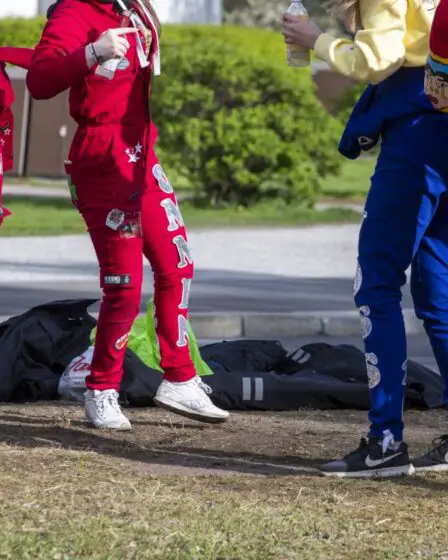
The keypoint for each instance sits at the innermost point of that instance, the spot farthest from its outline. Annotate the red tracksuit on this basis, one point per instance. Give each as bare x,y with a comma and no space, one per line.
19,57
119,188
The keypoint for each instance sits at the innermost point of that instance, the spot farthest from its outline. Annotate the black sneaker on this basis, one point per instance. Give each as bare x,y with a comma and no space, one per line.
436,459
369,461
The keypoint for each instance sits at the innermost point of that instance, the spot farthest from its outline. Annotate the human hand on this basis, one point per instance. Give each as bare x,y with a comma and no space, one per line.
300,31
113,44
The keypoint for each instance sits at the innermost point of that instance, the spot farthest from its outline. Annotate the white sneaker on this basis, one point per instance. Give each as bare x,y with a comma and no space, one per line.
103,410
190,399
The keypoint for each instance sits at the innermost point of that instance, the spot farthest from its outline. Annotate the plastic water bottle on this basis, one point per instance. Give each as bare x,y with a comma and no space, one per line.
297,55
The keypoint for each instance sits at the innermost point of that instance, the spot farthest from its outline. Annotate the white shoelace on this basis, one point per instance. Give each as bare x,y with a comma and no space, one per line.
107,399
206,388
388,441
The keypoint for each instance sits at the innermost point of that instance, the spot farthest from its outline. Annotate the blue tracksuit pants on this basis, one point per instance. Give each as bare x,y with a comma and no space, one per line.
405,224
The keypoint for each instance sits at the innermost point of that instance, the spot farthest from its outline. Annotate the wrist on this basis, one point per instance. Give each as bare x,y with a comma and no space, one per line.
92,57
316,39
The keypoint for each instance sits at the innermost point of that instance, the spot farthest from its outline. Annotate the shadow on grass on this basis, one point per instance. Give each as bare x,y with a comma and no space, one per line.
28,436
77,438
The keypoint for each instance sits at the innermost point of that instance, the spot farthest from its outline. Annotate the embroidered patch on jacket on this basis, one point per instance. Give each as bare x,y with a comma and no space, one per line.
121,342
114,219
436,82
134,154
131,226
118,280
123,64
72,189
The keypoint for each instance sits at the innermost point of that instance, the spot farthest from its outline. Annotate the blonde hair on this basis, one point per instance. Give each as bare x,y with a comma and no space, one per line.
346,11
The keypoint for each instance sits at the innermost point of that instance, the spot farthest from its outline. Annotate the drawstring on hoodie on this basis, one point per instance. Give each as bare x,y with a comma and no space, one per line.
137,23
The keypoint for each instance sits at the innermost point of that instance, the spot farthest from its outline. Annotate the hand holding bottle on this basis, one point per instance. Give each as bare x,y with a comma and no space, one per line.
300,31
113,43
300,34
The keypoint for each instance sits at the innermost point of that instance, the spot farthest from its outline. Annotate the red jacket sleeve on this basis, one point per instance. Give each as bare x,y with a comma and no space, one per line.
17,56
59,60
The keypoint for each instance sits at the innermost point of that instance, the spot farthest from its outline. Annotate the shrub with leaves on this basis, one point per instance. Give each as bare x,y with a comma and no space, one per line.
237,121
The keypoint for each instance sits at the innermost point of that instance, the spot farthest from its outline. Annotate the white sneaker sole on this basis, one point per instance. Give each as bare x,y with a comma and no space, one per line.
120,428
177,408
405,470
442,467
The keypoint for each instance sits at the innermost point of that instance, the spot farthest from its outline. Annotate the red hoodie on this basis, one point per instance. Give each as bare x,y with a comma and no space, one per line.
18,57
59,63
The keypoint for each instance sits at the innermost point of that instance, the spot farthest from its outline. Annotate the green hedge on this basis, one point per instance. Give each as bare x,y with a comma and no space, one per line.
20,32
234,120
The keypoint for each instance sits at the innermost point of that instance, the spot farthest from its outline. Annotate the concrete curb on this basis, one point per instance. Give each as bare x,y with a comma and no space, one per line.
287,325
283,325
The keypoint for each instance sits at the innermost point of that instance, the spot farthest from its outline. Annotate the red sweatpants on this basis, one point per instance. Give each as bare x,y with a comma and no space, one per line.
131,211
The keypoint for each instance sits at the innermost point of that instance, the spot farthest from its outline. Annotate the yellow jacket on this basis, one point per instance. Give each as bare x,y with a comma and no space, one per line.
393,33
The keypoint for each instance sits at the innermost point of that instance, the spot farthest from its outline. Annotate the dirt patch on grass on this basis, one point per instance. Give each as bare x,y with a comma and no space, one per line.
181,490
250,443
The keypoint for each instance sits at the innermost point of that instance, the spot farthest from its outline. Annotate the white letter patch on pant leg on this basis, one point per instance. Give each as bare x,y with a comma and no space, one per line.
186,285
162,179
358,280
373,373
366,323
404,367
183,250
183,331
173,214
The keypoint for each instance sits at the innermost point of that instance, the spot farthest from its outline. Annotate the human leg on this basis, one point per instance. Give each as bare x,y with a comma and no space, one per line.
399,208
166,247
429,287
119,253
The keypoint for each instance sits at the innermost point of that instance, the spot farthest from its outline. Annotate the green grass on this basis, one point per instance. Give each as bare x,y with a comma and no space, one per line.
41,217
58,217
353,182
70,492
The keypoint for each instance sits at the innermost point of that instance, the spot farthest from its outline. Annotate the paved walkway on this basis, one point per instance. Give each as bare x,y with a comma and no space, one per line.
315,253
248,282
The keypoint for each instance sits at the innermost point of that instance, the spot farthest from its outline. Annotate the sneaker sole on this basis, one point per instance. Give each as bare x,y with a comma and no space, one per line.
182,411
113,429
122,428
405,470
434,468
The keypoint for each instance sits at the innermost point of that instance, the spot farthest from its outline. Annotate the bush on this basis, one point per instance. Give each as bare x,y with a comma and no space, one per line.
234,119
20,32
238,122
